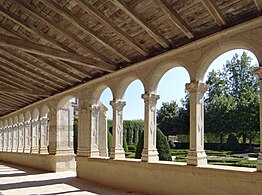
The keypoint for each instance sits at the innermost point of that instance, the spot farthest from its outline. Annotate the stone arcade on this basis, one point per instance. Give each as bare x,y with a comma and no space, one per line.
38,132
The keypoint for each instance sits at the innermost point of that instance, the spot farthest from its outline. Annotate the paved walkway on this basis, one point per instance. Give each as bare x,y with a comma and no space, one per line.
17,180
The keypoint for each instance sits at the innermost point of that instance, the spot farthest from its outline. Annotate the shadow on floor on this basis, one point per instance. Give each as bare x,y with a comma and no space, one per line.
15,179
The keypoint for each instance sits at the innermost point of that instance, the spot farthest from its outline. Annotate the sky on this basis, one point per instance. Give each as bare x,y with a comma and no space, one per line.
171,87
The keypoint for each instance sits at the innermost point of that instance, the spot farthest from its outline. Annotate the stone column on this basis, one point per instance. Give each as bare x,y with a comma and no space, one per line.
150,153
43,136
34,136
27,136
21,137
6,133
10,138
117,151
102,142
53,131
1,139
258,73
196,155
83,116
15,136
65,130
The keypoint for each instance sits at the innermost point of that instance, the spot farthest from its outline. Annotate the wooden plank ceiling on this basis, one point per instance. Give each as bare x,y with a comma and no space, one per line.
53,45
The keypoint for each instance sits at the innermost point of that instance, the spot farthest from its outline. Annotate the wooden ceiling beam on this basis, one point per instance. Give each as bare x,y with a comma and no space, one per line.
62,31
175,18
37,93
258,4
18,77
33,68
215,12
112,26
142,22
16,99
78,24
29,72
74,76
29,47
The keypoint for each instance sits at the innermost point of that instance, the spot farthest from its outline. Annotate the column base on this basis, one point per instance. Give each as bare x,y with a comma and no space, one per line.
103,153
259,162
82,151
197,158
65,151
117,153
43,150
20,150
34,150
149,155
26,150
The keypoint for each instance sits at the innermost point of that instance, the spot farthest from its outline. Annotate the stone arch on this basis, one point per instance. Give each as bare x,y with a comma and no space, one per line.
160,71
217,51
27,116
120,90
10,122
21,118
44,111
35,114
1,124
96,95
16,120
6,123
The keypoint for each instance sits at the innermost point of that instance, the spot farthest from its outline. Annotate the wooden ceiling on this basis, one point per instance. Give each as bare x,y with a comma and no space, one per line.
53,45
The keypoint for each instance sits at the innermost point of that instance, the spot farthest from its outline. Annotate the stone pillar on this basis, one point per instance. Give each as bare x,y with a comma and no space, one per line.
65,130
43,136
53,131
196,155
83,116
6,133
117,151
27,136
15,137
102,142
34,136
258,73
1,139
150,153
20,137
10,138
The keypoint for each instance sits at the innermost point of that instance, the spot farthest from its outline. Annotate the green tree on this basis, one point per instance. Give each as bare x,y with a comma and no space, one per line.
232,101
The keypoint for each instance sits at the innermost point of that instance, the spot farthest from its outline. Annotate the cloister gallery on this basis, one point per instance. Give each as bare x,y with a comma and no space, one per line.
53,51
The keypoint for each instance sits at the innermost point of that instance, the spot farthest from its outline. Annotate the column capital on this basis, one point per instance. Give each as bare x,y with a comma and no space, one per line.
95,109
196,87
150,97
118,104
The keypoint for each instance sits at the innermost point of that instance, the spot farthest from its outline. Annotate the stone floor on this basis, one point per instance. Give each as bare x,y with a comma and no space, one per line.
17,180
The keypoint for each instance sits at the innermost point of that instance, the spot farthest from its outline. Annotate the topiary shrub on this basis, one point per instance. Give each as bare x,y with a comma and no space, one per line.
125,144
232,143
161,145
109,141
132,148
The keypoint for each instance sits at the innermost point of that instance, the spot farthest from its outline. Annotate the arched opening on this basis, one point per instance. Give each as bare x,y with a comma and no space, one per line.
232,110
105,123
173,112
133,115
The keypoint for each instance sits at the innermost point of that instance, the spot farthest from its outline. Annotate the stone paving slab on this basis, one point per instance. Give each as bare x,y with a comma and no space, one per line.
18,180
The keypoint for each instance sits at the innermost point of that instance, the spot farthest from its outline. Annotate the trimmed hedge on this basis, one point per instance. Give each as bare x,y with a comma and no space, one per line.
232,143
132,130
161,145
109,141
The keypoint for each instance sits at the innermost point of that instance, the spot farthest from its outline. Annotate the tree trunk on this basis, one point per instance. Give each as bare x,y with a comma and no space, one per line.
221,138
244,137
